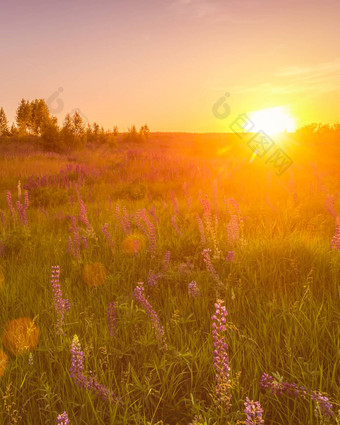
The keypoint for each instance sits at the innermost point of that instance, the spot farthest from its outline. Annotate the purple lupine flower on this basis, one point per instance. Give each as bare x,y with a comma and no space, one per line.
152,211
84,242
233,229
62,419
254,412
111,318
324,406
210,267
166,260
335,243
61,305
125,220
77,374
175,225
145,224
230,258
220,355
83,217
22,213
10,204
193,289
26,200
138,293
152,278
107,235
77,363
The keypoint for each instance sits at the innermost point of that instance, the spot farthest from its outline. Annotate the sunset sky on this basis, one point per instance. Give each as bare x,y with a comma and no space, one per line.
166,63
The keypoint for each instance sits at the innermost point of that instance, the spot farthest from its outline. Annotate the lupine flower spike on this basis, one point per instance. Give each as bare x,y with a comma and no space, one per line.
138,293
63,419
61,305
324,406
220,355
77,373
254,412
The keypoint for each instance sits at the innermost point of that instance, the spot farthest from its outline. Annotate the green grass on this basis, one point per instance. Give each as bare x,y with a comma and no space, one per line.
282,295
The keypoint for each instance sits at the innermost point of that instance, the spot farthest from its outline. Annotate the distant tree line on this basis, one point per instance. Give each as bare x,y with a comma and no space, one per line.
33,118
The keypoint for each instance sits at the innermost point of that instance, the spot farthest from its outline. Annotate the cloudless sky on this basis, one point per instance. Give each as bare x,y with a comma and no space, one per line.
166,63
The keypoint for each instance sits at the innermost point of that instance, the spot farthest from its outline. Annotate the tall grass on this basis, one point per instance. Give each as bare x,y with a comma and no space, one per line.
281,289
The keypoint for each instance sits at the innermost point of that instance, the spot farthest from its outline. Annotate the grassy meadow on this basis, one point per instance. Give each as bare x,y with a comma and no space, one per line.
121,213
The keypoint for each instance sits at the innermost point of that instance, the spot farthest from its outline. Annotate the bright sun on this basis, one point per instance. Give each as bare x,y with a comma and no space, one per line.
272,120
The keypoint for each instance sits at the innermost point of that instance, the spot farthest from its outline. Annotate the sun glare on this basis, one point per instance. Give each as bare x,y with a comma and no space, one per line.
272,120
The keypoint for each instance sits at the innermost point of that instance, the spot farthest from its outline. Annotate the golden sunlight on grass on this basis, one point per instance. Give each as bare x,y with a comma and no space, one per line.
273,120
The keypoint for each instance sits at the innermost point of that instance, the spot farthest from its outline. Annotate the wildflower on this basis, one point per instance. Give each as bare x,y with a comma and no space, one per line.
83,216
62,419
84,242
77,373
20,335
145,224
152,278
335,243
233,229
324,406
30,359
61,305
26,200
77,363
210,267
111,318
254,412
107,235
193,290
220,355
10,204
166,260
138,293
230,258
22,213
123,218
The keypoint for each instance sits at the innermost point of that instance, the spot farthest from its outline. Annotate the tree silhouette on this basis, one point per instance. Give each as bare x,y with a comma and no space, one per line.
3,123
